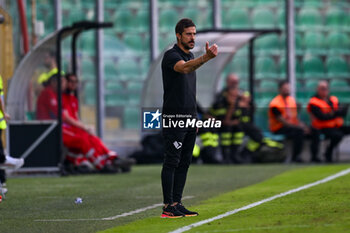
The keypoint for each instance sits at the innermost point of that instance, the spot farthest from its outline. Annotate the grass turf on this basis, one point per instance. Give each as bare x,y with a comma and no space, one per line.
109,195
323,208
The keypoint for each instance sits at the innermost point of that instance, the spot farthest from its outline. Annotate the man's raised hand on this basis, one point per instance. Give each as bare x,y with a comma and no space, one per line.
212,51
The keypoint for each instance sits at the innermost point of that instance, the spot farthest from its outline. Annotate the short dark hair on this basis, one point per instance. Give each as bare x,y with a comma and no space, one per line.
182,24
282,83
68,75
53,77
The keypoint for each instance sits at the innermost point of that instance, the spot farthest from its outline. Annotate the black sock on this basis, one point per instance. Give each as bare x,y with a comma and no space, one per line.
2,176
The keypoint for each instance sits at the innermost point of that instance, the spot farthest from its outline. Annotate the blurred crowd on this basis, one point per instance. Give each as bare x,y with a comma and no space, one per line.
239,140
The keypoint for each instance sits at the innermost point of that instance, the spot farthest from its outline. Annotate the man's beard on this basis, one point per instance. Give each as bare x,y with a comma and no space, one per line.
186,46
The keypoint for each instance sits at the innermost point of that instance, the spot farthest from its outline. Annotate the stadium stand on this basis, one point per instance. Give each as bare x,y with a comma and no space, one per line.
283,68
268,85
131,117
313,68
167,19
135,91
238,3
115,94
322,41
267,90
243,84
309,3
236,18
314,43
341,89
128,69
311,85
271,3
89,93
268,45
111,72
266,68
335,19
136,42
240,66
263,18
309,18
87,69
338,43
337,67
46,14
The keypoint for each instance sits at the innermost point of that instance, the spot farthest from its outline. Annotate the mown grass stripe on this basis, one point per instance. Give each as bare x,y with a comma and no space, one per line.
307,186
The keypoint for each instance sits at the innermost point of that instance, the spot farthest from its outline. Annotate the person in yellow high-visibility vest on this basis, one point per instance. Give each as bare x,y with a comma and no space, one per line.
224,108
5,160
50,63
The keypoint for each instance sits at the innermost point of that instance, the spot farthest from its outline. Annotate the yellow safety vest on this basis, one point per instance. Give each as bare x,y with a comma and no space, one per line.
44,77
2,118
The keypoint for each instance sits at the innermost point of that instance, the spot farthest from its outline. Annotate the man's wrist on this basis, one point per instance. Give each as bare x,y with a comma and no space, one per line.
205,58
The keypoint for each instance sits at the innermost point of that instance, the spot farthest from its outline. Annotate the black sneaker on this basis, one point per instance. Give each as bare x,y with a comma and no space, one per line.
171,212
187,213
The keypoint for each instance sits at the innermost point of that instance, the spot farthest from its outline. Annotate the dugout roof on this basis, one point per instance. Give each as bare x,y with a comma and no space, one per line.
19,100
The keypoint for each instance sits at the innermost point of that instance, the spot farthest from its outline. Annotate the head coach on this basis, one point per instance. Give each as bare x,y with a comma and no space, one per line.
179,99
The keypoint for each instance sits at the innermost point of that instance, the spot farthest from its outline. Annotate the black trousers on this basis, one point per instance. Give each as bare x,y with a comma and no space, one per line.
2,159
297,135
178,149
334,134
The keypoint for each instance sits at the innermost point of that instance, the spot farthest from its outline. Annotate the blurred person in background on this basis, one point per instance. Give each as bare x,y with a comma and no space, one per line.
51,66
223,108
6,161
283,119
245,111
235,108
327,117
209,138
103,156
47,109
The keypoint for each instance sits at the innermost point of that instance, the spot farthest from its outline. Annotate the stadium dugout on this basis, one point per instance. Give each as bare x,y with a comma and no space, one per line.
32,139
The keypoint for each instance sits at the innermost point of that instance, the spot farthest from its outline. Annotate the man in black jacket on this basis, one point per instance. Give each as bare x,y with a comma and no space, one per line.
179,83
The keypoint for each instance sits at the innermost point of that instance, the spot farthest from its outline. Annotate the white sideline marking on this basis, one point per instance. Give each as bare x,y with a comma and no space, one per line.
268,228
109,218
329,178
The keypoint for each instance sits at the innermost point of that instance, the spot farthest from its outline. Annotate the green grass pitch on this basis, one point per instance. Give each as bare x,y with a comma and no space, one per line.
216,189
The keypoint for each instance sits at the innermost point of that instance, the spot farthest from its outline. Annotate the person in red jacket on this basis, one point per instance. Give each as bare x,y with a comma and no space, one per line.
71,112
283,119
72,138
46,107
326,118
